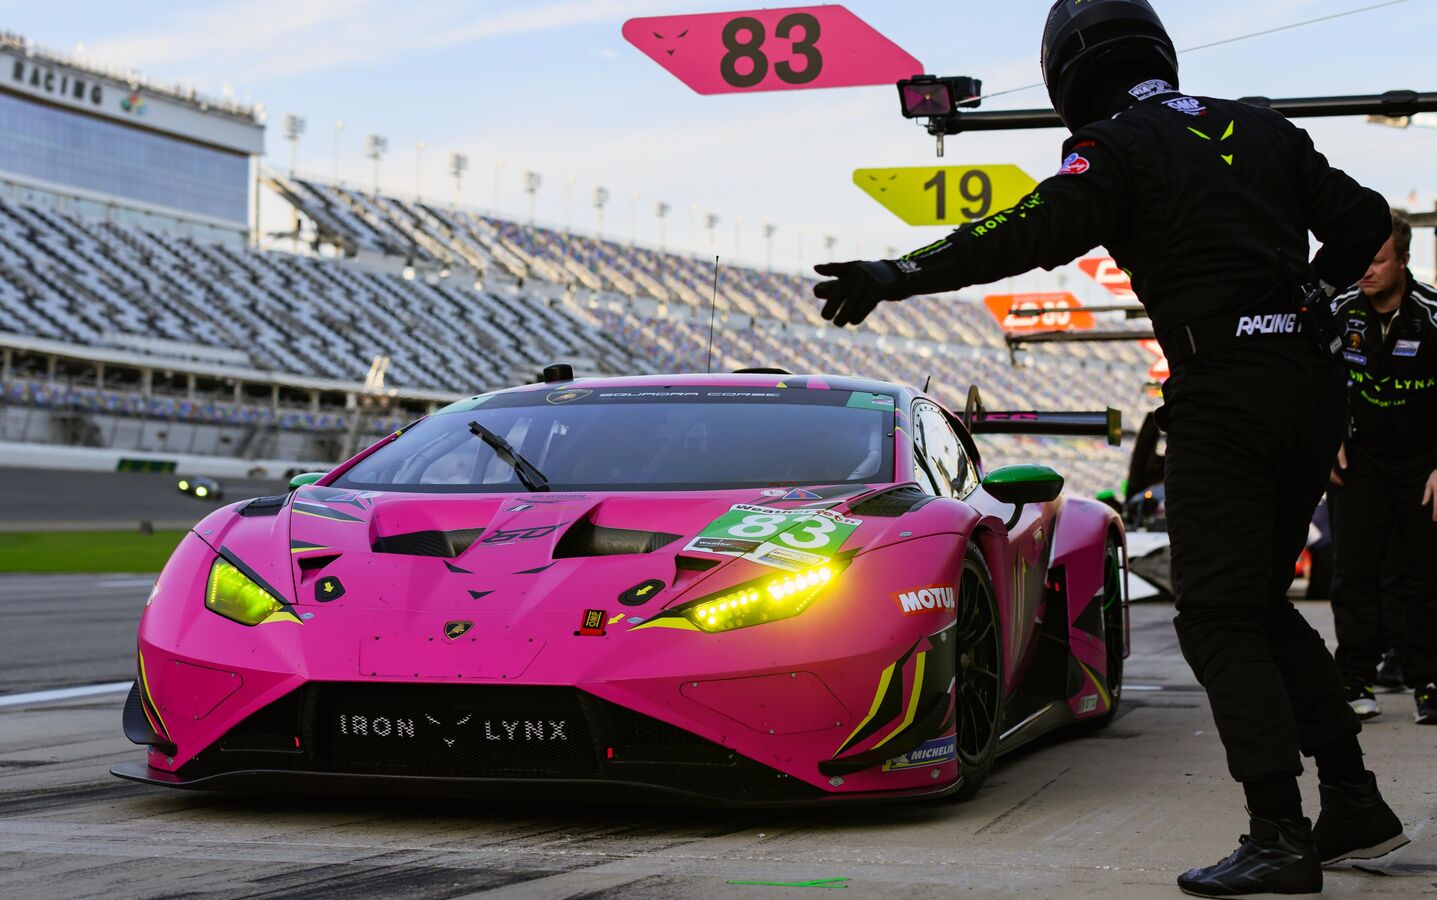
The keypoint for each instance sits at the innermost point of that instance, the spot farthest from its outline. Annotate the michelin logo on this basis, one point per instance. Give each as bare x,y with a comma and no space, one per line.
934,752
1276,323
925,600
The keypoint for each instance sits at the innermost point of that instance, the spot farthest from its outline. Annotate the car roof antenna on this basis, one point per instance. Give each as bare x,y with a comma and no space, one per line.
926,382
713,309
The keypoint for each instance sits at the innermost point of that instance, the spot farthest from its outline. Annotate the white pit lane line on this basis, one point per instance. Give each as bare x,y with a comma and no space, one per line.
71,693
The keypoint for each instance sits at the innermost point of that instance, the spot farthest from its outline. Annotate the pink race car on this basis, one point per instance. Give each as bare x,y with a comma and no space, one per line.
748,589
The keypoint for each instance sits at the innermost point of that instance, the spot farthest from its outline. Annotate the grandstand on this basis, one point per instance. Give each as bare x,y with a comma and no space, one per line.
109,329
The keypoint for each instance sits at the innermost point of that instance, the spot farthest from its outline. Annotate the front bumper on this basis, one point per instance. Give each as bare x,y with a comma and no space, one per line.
495,741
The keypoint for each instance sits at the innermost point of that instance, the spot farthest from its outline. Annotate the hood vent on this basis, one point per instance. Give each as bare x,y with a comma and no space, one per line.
448,544
893,503
587,539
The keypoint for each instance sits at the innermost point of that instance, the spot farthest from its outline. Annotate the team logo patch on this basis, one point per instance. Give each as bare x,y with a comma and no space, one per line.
1186,105
1151,89
939,750
1074,165
1406,348
1357,359
455,630
935,598
567,396
1274,323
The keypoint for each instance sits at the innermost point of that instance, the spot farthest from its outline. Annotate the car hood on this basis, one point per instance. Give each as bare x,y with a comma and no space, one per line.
545,551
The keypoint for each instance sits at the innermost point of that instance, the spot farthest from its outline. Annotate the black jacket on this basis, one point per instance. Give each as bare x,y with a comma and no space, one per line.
1193,196
1392,378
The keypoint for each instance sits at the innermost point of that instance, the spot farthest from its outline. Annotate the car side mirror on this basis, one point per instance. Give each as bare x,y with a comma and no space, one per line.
304,478
1021,485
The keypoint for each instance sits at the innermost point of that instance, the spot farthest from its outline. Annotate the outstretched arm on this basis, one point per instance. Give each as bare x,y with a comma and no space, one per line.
1065,216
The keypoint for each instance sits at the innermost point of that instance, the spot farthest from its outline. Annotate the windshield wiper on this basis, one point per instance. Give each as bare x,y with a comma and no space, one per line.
528,473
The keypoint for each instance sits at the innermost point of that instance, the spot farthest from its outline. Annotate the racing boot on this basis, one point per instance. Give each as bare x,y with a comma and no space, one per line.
1389,673
1426,699
1274,858
1360,698
1356,823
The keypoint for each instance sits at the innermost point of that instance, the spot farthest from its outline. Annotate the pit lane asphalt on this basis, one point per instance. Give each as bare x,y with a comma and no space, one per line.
1119,813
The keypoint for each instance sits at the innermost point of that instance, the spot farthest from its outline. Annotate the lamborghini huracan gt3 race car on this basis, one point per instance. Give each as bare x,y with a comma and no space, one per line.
735,589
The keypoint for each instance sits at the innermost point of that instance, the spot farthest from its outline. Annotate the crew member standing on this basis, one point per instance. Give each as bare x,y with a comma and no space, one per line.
1389,486
1195,197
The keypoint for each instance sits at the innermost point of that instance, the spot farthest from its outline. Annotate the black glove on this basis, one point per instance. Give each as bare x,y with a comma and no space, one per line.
857,288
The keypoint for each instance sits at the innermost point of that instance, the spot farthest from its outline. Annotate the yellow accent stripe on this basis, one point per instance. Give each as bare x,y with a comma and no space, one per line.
282,615
307,549
678,622
1199,133
1230,126
145,687
347,521
883,680
912,701
1097,683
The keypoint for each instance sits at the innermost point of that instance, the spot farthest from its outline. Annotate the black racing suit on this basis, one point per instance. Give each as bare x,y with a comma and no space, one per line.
1391,452
1194,197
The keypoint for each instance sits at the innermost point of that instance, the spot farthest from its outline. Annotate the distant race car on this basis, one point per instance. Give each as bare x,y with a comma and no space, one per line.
734,589
200,487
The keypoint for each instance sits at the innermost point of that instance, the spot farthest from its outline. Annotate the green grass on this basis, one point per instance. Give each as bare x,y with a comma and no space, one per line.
86,551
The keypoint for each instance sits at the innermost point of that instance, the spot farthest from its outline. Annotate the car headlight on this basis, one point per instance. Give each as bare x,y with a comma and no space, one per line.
767,599
236,596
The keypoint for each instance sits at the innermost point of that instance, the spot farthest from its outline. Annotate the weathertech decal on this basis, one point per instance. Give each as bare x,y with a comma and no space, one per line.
935,598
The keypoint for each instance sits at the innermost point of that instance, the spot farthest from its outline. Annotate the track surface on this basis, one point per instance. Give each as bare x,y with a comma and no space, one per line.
45,499
1117,814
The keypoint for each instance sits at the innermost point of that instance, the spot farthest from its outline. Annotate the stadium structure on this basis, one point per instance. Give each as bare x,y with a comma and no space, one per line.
141,324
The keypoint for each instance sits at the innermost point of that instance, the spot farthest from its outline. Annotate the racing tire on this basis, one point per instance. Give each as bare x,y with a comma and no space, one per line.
1113,631
979,668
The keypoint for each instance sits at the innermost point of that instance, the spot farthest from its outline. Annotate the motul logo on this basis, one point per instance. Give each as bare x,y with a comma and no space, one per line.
1275,323
925,600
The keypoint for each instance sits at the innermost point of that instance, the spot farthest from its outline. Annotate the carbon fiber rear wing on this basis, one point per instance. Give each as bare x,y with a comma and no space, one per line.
1107,423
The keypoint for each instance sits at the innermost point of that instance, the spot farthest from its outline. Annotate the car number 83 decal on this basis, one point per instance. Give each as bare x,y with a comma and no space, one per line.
783,538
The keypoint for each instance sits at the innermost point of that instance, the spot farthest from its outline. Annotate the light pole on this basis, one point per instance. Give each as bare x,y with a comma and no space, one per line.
375,146
633,217
662,211
293,131
711,224
532,182
419,149
458,165
568,207
338,127
768,231
829,242
601,196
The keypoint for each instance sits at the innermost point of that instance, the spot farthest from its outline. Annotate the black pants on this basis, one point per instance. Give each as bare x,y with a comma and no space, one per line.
1381,528
1252,434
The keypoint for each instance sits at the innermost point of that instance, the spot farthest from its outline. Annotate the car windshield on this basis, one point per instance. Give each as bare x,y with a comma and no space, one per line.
671,438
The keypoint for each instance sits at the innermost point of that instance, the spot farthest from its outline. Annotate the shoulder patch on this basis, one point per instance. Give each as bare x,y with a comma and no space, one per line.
1074,164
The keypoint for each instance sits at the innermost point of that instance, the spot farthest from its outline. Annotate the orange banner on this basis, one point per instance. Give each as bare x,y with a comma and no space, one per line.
1159,370
1055,311
1105,271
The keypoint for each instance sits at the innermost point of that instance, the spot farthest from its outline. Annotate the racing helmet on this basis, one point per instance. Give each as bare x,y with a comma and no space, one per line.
1086,40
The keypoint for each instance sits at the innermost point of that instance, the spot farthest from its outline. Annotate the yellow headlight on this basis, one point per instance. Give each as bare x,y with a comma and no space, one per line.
235,596
780,597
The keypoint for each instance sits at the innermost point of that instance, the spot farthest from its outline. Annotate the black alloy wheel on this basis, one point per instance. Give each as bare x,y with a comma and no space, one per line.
979,681
1114,634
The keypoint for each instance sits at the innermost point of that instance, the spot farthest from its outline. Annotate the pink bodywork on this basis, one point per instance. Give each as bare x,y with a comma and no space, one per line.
787,694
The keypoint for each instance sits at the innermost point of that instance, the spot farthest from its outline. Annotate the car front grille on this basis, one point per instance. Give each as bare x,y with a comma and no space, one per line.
505,732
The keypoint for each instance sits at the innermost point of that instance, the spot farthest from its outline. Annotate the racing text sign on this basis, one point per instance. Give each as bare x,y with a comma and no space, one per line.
1106,271
1027,313
945,195
771,50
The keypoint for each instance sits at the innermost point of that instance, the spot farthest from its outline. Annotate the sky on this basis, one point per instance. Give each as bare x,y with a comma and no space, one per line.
550,86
